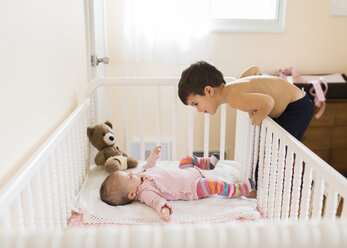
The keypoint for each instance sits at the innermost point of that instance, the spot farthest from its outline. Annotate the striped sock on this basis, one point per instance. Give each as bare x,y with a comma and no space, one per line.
207,187
202,163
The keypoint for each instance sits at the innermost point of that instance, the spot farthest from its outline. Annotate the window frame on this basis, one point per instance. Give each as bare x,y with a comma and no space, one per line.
252,25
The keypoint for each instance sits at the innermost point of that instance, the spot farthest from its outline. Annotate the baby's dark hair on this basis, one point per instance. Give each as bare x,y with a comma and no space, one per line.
113,195
196,77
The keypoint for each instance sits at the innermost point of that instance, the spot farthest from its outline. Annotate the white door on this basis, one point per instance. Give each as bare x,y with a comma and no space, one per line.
97,38
98,55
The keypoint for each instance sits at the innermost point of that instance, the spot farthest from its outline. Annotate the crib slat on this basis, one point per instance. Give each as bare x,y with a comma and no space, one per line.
266,168
6,222
273,176
28,208
57,201
61,184
250,149
318,197
206,134
67,182
72,164
174,125
287,184
306,193
38,200
222,132
17,214
255,152
190,130
141,123
279,181
158,117
172,237
125,117
49,207
296,188
83,147
78,160
331,204
261,167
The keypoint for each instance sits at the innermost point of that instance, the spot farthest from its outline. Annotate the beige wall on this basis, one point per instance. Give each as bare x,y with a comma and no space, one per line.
43,70
313,42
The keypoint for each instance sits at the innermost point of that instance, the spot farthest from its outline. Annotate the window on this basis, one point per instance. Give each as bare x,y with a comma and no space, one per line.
247,15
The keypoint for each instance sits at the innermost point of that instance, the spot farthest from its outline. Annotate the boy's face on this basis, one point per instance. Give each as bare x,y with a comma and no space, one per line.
206,104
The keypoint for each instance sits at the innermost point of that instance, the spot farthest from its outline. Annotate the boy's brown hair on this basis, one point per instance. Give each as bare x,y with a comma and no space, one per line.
196,77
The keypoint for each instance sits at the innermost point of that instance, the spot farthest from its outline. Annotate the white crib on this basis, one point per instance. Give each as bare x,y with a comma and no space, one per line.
301,196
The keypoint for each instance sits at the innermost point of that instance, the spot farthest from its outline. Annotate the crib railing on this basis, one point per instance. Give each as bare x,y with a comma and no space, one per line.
128,84
293,182
42,192
278,234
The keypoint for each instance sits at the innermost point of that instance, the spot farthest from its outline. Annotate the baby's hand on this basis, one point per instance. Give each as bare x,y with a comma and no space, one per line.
157,149
165,214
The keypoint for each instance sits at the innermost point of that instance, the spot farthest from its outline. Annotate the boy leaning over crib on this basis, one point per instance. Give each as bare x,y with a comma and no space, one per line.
155,185
202,86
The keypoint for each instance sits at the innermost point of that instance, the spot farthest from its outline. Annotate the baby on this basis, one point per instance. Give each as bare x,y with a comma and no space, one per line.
154,185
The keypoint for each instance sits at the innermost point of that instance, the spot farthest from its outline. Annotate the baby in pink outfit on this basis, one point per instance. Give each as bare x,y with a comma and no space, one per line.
154,185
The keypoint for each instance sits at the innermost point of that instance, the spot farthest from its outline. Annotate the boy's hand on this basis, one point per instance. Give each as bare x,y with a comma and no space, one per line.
165,214
254,119
157,149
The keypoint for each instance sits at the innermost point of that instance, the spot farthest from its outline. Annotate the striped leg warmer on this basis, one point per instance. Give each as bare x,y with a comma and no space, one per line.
207,187
202,163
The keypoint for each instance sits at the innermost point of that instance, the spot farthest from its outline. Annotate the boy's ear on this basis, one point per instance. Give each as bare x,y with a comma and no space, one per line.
131,195
209,91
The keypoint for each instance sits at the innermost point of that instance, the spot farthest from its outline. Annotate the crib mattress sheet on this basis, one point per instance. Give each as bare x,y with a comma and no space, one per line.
90,210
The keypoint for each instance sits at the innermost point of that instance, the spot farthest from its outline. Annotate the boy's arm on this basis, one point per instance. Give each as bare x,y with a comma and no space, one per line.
257,105
250,71
158,203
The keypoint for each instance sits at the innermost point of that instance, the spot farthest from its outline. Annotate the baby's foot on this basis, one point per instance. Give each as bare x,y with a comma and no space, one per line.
251,184
214,160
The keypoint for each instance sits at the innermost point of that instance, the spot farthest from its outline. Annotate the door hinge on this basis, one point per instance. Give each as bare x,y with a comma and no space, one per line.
95,60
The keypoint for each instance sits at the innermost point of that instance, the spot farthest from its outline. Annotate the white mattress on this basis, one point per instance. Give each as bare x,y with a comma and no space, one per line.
212,209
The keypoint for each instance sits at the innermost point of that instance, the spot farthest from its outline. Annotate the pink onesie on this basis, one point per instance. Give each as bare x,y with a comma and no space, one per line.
161,184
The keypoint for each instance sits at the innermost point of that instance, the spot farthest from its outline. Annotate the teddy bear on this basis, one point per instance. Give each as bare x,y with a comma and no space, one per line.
109,155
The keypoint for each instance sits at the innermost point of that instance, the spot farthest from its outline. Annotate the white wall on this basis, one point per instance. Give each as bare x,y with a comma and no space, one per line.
43,68
43,63
313,42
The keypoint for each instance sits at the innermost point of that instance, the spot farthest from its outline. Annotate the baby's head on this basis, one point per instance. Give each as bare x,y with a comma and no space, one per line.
119,188
196,77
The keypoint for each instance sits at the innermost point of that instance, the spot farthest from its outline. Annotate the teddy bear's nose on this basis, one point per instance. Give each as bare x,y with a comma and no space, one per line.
111,138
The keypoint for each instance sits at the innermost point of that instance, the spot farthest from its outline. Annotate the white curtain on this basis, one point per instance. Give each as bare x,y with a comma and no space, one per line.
166,31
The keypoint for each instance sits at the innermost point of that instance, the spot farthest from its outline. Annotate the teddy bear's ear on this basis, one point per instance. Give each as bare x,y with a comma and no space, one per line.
90,131
108,124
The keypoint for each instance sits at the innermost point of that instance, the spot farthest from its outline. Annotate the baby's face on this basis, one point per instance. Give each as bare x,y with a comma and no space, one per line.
129,182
